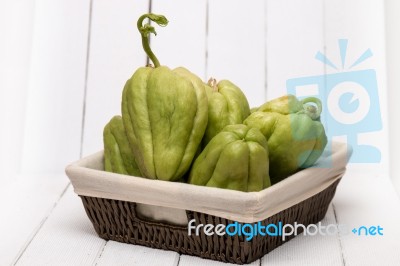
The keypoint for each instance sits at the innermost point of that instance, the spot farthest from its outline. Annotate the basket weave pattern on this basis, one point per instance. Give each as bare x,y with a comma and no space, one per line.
117,220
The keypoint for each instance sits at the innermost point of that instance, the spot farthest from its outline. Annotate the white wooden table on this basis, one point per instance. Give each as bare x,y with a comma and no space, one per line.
80,54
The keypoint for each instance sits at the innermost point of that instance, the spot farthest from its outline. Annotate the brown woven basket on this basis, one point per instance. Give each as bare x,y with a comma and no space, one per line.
117,220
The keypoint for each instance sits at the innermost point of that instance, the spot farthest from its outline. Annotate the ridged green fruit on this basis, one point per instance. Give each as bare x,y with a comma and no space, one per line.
165,116
296,137
118,156
164,112
227,105
236,158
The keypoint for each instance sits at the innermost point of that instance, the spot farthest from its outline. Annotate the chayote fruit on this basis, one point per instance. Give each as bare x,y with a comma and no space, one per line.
296,137
227,105
236,158
165,114
118,156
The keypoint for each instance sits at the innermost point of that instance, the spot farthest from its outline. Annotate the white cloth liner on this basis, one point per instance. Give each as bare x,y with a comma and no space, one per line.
89,179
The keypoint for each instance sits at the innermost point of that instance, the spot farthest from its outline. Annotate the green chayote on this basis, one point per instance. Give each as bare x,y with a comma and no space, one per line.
236,158
227,105
165,114
118,155
296,137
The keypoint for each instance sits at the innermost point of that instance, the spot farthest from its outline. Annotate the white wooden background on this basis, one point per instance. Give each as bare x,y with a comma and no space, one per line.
63,65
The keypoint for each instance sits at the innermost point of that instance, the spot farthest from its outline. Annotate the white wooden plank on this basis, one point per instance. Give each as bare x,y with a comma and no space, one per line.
194,261
236,37
183,41
362,23
52,133
24,205
66,238
392,9
115,53
16,27
308,250
116,253
294,36
363,200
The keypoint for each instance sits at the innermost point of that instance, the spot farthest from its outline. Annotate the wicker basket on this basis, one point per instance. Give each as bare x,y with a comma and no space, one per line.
117,220
115,215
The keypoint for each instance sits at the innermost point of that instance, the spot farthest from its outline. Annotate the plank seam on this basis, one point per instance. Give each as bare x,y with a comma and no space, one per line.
324,43
324,30
100,253
265,51
36,231
150,9
179,259
340,241
206,42
85,88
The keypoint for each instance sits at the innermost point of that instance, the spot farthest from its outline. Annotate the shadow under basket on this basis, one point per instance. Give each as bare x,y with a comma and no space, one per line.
118,221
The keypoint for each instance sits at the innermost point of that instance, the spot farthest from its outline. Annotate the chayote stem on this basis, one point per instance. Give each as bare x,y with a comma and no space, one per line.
212,82
145,31
312,111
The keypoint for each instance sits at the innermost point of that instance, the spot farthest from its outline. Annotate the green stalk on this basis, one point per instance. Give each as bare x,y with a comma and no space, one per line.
145,31
312,111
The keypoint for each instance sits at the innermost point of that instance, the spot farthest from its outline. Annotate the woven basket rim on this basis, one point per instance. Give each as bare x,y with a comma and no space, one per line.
234,205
